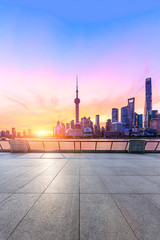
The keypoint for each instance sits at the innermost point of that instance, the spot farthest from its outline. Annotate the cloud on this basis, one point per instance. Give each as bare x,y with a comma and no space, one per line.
16,101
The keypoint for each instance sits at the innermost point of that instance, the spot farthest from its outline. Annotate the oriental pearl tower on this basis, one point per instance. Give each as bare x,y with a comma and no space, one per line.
77,102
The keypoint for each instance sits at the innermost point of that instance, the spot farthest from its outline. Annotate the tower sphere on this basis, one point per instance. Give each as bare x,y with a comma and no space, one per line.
76,100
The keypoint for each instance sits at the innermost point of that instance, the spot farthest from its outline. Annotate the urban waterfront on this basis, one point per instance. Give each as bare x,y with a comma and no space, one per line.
49,145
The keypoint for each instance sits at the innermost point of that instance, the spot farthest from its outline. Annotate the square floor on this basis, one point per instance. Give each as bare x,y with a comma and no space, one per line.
79,196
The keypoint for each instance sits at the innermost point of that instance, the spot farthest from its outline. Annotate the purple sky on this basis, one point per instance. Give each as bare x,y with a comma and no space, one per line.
112,47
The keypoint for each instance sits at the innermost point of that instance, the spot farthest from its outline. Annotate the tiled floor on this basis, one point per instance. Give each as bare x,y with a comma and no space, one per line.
79,196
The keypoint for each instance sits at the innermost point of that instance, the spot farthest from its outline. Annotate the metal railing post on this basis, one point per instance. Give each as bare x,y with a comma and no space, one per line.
59,145
74,146
111,146
95,145
80,145
156,147
43,145
126,146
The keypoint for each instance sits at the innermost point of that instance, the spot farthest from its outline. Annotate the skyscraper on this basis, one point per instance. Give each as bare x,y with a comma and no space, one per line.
77,102
108,125
154,114
97,123
138,120
148,102
131,106
13,132
115,117
125,117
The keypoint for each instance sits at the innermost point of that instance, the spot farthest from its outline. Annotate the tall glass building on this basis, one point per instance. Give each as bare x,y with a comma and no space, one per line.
125,117
131,105
138,120
115,114
154,114
148,102
97,122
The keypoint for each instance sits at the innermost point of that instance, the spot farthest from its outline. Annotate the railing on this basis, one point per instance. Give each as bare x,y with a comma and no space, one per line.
80,146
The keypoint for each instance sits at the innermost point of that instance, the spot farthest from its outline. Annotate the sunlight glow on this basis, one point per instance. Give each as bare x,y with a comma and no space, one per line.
43,133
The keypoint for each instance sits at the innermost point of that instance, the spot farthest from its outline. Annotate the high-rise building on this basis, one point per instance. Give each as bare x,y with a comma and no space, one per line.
57,129
24,134
3,133
148,102
155,124
115,114
63,129
117,126
77,102
97,123
18,135
125,117
7,134
138,120
108,125
13,133
86,123
67,126
131,106
72,124
154,114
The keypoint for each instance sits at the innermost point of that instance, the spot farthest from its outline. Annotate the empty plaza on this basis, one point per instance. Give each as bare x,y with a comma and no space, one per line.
79,196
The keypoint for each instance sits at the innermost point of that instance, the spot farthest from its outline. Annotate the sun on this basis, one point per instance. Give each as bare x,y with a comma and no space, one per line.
43,133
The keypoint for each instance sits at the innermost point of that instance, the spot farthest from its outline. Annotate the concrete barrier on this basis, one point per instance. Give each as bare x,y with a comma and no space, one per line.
17,145
136,146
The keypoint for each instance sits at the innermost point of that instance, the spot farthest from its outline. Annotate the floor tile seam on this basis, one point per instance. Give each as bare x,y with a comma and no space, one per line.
79,230
17,176
148,200
137,190
119,208
21,187
42,155
23,217
56,175
158,208
129,185
10,194
33,205
34,178
124,217
152,180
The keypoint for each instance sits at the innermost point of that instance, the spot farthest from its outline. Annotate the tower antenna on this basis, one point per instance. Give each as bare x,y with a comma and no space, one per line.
76,86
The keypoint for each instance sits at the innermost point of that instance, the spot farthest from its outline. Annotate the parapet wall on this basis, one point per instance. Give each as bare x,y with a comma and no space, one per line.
81,146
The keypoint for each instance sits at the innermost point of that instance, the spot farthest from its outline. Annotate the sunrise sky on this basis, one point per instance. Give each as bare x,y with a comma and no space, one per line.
112,46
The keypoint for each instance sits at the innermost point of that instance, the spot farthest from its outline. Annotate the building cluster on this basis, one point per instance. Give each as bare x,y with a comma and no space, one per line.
130,123
125,123
15,134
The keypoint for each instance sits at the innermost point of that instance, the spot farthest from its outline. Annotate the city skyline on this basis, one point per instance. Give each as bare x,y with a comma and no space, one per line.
130,120
115,115
112,47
